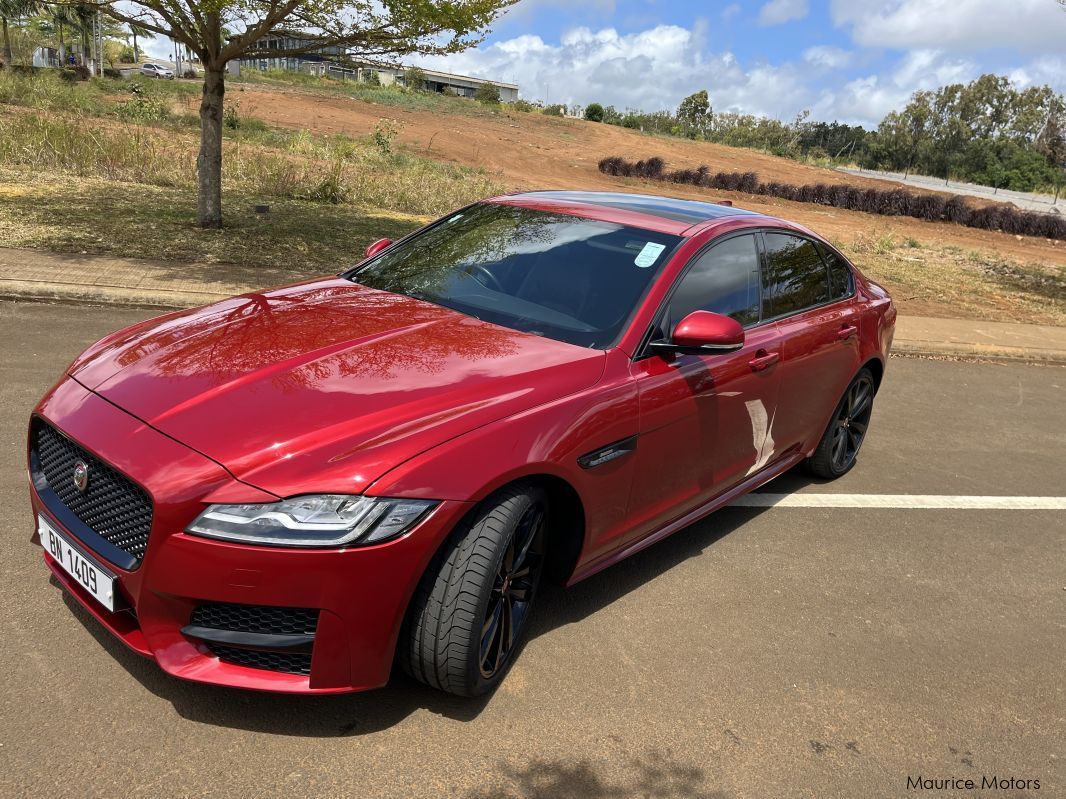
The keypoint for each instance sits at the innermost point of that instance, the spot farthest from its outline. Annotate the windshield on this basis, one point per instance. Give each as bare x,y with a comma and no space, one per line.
565,277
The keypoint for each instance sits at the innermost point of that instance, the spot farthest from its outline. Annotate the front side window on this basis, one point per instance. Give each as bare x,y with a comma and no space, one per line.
795,276
724,279
564,277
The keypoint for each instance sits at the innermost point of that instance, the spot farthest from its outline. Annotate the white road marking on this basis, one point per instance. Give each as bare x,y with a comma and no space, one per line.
907,501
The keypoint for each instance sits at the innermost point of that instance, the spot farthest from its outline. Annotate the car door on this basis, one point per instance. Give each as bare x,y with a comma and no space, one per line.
809,290
705,420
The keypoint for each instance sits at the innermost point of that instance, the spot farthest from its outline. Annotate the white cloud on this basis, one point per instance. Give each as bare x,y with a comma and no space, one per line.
955,25
651,69
777,12
1050,70
867,99
826,57
730,11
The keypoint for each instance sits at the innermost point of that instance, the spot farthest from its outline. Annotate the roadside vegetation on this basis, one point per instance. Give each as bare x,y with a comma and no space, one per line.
928,206
135,132
947,280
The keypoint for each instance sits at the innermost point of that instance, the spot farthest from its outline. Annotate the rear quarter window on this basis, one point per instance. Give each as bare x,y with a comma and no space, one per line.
840,277
795,276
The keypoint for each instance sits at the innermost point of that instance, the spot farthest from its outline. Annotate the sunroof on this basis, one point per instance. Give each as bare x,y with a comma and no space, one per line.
691,211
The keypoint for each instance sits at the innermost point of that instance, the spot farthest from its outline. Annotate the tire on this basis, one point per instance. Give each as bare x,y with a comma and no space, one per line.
838,449
450,640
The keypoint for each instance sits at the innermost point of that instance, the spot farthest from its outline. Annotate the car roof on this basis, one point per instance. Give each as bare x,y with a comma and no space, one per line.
665,214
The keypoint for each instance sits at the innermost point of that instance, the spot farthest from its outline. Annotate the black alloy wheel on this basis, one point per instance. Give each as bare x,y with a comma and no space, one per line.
512,591
839,448
466,622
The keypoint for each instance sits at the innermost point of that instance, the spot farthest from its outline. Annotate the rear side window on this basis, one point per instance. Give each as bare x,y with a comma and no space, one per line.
724,279
795,275
839,275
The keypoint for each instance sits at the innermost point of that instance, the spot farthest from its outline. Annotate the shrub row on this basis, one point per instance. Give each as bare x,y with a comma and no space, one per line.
887,202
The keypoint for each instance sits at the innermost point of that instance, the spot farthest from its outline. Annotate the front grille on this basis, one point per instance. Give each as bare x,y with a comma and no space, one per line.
112,505
289,662
256,618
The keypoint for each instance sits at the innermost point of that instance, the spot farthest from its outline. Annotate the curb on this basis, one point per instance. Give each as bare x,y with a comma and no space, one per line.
38,291
978,352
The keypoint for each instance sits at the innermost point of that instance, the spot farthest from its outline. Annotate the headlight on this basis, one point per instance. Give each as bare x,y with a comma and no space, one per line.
318,520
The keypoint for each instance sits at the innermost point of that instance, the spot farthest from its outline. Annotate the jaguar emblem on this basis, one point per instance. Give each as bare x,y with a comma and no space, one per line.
81,475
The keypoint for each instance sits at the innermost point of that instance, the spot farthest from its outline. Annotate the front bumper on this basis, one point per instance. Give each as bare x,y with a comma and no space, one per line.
361,593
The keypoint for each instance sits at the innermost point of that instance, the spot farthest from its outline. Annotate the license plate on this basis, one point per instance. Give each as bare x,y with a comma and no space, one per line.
87,573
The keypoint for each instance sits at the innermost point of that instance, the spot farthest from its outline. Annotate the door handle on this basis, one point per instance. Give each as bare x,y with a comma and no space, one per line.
846,332
764,360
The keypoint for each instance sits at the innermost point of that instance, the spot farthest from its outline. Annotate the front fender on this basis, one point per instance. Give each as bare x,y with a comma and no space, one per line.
546,440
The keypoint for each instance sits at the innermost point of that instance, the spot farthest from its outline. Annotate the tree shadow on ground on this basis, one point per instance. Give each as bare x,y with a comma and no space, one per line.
651,775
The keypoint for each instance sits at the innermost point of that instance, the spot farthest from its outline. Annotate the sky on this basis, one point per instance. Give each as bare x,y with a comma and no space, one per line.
849,60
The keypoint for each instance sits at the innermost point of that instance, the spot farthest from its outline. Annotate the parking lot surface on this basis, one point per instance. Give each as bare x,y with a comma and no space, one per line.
764,652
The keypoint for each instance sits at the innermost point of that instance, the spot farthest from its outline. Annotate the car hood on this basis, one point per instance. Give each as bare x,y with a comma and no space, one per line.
324,386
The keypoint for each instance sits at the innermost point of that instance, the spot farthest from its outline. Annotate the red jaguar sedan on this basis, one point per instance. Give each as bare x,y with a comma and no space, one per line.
292,489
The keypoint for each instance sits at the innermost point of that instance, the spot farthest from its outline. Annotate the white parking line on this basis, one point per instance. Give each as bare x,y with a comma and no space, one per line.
915,501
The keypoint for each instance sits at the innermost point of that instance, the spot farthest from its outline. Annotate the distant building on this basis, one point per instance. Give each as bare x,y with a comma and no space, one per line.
337,62
45,57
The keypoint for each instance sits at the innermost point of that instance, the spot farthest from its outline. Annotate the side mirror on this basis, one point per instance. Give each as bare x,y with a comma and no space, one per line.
704,332
377,246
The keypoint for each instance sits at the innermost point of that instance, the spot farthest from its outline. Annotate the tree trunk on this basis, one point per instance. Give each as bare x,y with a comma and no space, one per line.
209,162
136,59
7,43
62,47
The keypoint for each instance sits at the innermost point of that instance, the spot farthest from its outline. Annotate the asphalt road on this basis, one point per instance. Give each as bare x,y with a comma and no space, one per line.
762,653
1030,201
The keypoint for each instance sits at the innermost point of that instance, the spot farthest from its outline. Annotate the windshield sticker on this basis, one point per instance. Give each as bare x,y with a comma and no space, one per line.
649,254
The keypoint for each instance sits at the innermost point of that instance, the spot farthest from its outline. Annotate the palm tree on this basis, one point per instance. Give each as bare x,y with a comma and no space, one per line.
60,17
13,10
83,16
144,33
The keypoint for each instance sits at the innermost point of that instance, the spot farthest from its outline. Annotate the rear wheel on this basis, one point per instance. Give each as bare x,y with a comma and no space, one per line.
469,614
839,448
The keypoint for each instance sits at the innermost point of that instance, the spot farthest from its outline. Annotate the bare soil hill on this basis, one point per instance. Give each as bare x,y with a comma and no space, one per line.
537,151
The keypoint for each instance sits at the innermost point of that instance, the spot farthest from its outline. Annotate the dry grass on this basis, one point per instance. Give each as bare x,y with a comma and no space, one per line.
293,166
949,281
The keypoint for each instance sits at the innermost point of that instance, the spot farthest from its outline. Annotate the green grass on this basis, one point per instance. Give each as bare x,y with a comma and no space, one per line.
99,217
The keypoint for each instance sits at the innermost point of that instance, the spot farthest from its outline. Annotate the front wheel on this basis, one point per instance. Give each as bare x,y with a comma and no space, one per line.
839,448
469,614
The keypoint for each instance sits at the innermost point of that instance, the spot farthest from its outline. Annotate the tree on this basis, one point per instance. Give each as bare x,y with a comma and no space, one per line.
594,112
219,31
914,130
1051,143
694,114
414,79
11,10
61,18
487,94
135,31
